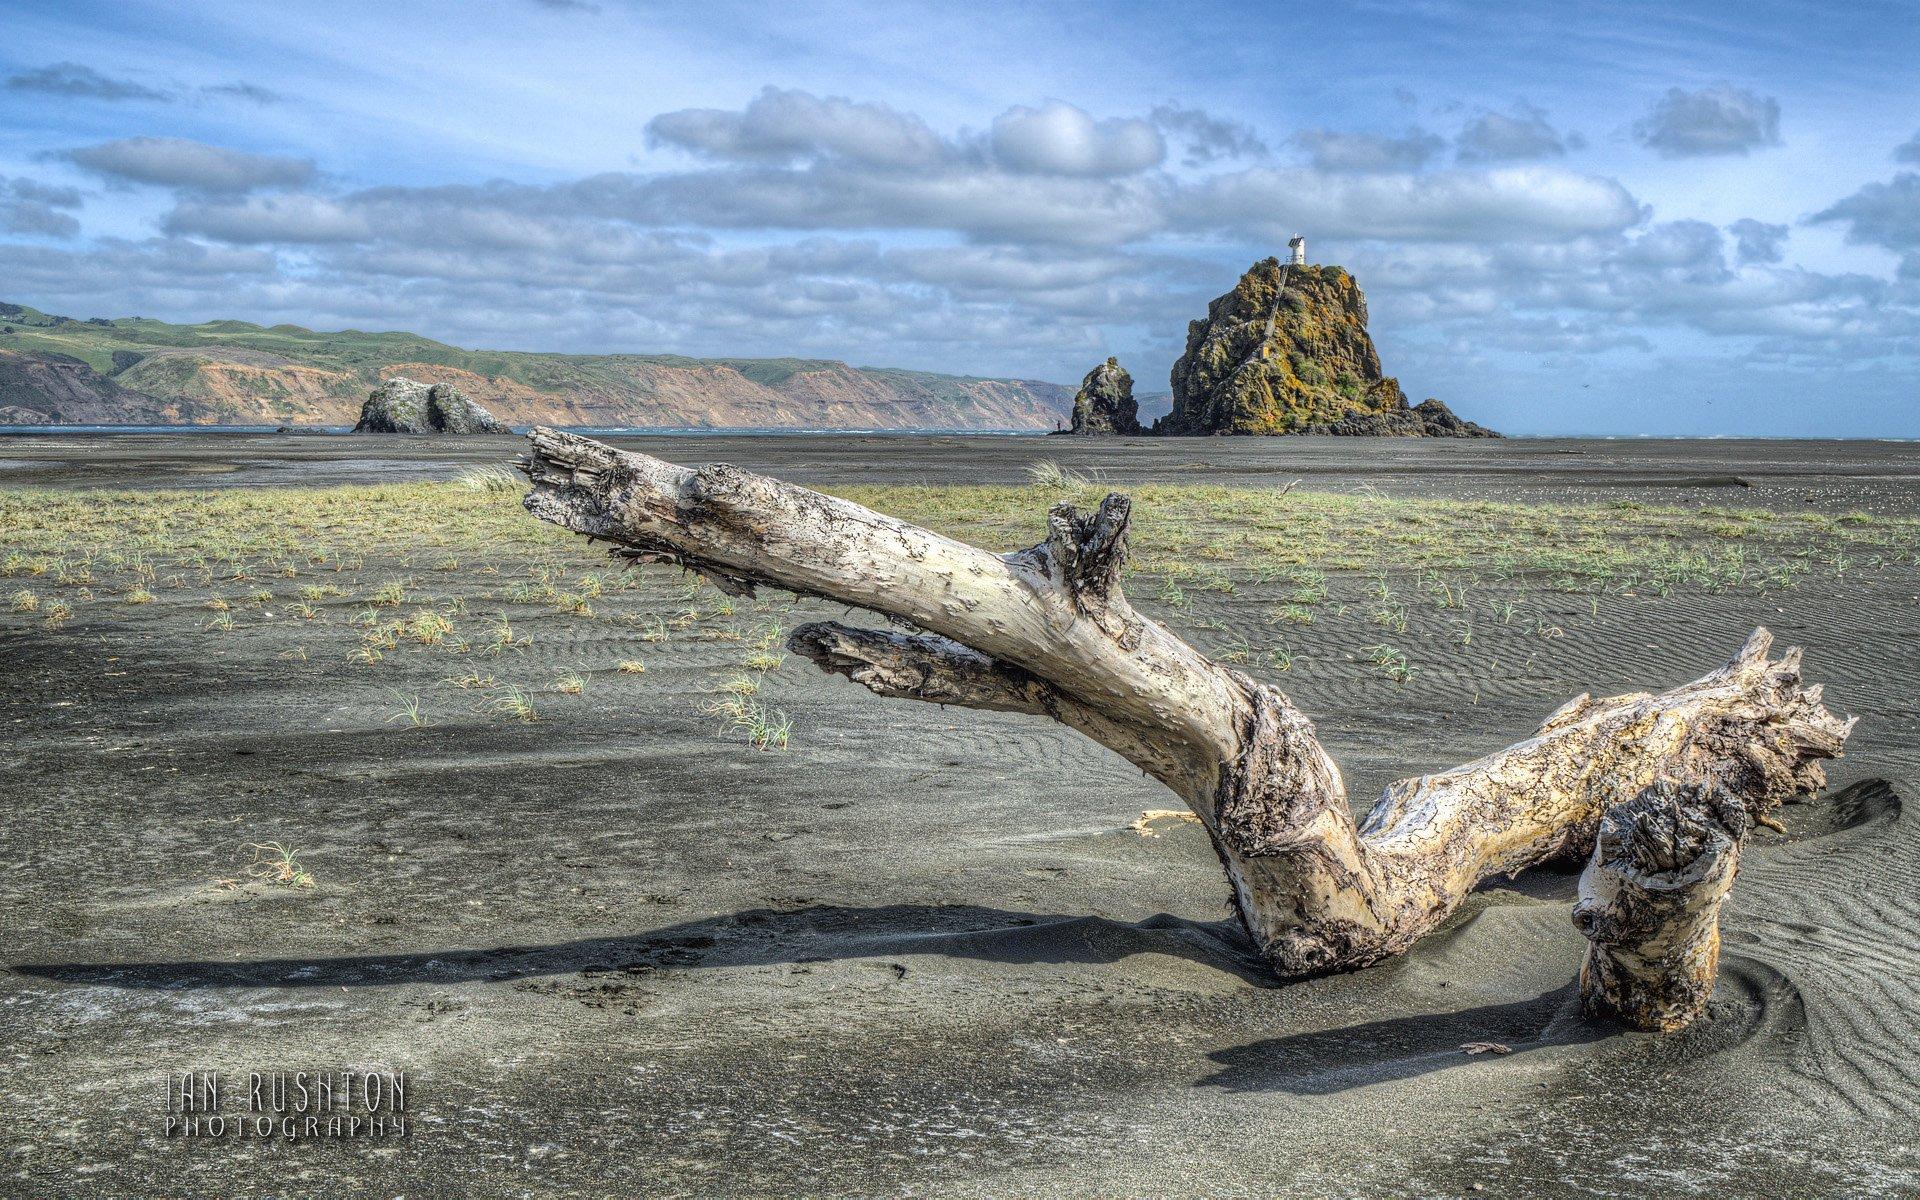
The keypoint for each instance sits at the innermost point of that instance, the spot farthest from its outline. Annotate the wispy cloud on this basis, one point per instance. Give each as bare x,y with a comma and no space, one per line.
250,92
1332,150
77,79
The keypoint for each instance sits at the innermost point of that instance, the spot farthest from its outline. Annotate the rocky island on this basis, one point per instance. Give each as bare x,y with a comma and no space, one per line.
1287,351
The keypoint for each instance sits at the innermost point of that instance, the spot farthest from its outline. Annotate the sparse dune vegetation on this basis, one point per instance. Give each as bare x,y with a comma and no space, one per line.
467,573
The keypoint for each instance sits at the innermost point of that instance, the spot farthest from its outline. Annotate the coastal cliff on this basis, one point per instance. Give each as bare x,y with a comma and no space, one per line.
58,370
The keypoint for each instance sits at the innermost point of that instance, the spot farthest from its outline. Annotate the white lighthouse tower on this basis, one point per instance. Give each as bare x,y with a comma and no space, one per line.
1298,245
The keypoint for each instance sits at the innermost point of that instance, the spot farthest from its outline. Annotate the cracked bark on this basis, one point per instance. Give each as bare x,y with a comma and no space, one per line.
1650,903
1048,631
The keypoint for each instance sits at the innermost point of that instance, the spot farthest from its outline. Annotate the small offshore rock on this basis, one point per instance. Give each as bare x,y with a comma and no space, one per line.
402,405
397,406
1441,422
453,411
1105,404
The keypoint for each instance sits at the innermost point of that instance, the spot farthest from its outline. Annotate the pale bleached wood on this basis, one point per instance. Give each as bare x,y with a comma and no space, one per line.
1650,902
1048,631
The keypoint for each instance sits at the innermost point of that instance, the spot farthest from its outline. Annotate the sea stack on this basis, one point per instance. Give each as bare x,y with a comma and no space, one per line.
1287,351
402,405
1104,404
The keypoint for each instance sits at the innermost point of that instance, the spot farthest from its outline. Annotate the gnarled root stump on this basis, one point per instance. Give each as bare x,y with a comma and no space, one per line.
1650,903
1048,631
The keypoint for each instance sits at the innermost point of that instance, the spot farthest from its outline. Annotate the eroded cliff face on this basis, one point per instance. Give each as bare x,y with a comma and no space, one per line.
1264,362
61,371
254,389
244,387
56,389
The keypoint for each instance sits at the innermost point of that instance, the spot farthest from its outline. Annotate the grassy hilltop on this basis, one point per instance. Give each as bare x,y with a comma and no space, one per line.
59,370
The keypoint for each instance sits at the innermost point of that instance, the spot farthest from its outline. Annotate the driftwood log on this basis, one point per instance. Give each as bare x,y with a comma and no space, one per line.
1650,903
1047,630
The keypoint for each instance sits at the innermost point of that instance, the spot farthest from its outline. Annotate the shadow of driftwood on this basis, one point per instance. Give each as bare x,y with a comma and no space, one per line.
755,937
1334,1060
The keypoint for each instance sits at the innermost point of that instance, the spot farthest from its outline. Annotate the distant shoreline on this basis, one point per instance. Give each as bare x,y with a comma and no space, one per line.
518,430
915,432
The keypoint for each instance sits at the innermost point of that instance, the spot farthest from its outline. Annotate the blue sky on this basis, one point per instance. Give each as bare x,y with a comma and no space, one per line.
1568,218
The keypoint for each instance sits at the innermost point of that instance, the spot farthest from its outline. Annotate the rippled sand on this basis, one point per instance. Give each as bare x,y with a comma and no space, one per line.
922,949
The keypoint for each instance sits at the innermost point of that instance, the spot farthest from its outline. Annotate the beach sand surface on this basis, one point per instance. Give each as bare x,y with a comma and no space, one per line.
920,951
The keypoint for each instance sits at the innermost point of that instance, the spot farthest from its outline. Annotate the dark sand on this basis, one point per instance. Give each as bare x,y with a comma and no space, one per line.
1879,477
919,952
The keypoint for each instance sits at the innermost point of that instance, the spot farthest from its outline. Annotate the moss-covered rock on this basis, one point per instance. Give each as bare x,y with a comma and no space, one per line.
1105,404
1267,361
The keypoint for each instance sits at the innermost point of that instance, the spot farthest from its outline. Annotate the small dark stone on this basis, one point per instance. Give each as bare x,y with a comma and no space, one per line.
1441,422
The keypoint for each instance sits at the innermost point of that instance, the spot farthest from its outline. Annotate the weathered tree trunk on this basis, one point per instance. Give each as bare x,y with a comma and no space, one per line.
1650,903
1048,631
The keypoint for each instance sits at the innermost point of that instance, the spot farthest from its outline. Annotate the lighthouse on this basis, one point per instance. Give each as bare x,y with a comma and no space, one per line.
1298,245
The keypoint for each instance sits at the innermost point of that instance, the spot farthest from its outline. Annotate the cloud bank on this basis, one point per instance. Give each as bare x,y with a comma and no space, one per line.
1031,241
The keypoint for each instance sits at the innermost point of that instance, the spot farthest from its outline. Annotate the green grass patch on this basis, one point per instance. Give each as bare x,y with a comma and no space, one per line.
1198,538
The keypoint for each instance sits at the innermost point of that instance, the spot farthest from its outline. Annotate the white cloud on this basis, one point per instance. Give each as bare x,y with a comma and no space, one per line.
1643,285
1885,215
1060,139
189,165
982,203
1524,135
1207,138
781,126
1713,121
295,218
1509,203
33,208
1693,247
1757,241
